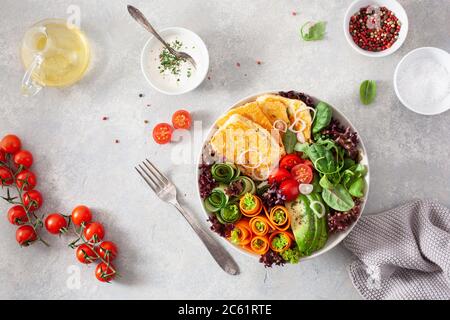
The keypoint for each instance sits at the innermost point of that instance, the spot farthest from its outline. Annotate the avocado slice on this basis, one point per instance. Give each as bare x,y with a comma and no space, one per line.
321,234
302,223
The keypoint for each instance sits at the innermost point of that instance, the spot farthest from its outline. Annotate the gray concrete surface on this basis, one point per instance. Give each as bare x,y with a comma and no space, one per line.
77,160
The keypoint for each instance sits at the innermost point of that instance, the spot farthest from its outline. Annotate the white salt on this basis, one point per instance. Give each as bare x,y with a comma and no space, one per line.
423,82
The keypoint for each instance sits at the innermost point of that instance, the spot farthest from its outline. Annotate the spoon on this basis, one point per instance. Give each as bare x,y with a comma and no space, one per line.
140,18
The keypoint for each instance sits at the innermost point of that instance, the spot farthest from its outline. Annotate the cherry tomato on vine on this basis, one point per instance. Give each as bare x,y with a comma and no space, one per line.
2,156
24,158
289,188
10,144
85,254
302,173
81,214
25,235
181,119
162,133
94,231
6,177
289,161
105,273
107,250
26,180
17,215
278,175
55,223
33,200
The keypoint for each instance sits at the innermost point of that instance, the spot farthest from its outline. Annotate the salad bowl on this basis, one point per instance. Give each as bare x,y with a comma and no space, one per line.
334,238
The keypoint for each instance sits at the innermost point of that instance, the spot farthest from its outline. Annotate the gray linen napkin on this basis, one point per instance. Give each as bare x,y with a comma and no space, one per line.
403,253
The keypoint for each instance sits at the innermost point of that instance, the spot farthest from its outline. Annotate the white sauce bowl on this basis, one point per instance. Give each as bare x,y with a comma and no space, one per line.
167,83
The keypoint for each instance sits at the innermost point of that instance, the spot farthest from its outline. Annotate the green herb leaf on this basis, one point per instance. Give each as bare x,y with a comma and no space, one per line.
323,117
289,141
312,31
338,198
367,91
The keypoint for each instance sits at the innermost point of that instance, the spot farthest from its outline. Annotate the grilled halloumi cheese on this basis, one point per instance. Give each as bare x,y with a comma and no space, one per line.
247,144
293,108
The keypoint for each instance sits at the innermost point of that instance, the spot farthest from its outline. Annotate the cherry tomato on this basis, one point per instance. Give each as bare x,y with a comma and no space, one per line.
2,156
6,177
302,173
33,200
25,235
162,133
278,175
10,144
309,163
26,180
94,231
85,254
81,214
289,161
23,158
55,223
107,250
289,188
17,215
104,273
181,119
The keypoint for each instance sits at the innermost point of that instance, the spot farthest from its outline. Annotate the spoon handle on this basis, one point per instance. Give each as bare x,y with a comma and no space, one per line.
140,18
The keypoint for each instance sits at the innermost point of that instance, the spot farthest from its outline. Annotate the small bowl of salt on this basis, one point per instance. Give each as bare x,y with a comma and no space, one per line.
422,80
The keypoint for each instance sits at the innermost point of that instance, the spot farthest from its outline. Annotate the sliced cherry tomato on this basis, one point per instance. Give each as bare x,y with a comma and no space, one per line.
162,133
181,119
85,254
289,161
10,144
289,188
55,223
26,180
278,175
33,200
17,215
23,158
81,214
94,231
2,156
105,273
25,235
6,177
302,173
107,250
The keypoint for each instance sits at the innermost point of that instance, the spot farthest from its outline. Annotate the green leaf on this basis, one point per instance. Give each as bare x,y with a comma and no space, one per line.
357,188
325,183
338,198
367,91
312,31
289,141
323,117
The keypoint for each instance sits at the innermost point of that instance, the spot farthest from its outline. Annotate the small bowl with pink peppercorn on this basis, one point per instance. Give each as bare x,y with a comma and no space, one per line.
375,28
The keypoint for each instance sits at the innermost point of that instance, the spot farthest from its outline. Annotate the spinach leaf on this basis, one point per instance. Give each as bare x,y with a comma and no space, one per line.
357,188
325,183
338,198
317,188
367,91
312,31
289,141
323,117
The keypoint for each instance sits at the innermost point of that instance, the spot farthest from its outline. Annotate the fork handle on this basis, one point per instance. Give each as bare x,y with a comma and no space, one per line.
222,257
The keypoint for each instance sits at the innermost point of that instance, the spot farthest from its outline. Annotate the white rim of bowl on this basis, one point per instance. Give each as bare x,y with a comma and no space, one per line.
321,251
379,54
201,78
396,74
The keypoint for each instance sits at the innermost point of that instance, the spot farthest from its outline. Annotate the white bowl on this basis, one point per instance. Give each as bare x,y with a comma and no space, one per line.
392,5
441,57
334,239
168,84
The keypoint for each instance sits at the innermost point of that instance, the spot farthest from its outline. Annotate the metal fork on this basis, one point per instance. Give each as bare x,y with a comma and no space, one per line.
167,192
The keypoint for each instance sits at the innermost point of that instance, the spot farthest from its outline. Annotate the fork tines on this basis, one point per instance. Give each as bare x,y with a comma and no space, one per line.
151,175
